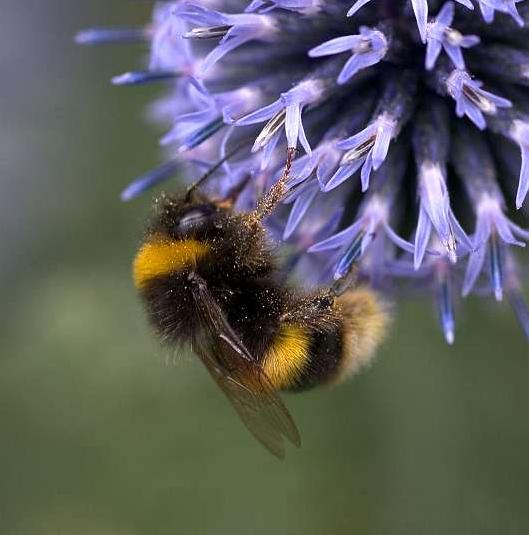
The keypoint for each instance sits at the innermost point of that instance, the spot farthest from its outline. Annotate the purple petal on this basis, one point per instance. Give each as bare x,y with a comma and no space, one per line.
342,174
365,174
224,48
335,46
299,209
397,240
446,14
262,114
420,8
523,185
339,239
356,6
433,50
422,237
474,266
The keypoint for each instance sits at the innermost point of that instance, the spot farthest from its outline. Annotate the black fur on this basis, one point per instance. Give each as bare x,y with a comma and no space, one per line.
325,355
240,272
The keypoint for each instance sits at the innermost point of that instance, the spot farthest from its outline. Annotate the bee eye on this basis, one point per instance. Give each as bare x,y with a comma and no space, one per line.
195,217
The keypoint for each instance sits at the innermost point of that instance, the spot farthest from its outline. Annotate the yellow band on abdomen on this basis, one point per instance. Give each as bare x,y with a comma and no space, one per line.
162,256
287,357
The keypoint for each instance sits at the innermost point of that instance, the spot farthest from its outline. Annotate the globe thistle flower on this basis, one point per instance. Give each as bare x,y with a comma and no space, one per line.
409,118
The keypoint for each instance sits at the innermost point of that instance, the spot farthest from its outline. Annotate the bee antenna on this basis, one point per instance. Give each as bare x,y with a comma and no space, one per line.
267,203
214,168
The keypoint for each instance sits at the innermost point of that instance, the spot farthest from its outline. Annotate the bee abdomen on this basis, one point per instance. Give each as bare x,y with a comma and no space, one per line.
323,359
365,322
352,329
301,357
288,355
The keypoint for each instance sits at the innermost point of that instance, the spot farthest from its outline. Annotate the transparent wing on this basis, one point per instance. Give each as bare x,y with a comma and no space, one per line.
240,377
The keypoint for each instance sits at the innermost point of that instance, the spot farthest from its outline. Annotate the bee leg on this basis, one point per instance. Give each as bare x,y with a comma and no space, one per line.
278,190
196,280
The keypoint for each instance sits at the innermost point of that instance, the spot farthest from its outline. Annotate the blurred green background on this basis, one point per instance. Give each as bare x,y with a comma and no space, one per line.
104,434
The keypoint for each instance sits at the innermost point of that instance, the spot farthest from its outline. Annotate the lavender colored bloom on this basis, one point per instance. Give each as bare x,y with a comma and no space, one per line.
368,48
288,109
441,36
367,149
233,30
494,231
371,230
431,143
402,109
488,8
420,8
471,100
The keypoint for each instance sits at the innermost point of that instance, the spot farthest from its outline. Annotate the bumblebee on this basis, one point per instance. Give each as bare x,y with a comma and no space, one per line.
209,278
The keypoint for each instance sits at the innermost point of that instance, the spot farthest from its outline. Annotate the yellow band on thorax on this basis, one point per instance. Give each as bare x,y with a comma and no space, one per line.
161,256
287,357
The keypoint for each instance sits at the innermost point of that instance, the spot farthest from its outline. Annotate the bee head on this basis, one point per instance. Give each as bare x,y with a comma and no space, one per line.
187,216
191,232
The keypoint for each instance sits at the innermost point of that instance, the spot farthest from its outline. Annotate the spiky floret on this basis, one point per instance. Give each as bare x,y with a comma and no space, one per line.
411,118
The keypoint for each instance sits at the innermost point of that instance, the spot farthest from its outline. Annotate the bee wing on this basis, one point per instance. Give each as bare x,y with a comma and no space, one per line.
240,377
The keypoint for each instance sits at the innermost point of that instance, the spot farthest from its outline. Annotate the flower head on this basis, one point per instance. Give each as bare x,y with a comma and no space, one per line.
405,110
